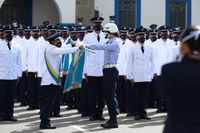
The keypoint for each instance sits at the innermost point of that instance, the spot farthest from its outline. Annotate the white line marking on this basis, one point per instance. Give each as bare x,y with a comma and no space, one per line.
81,129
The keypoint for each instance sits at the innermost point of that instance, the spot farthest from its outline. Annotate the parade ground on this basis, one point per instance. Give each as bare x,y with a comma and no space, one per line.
71,122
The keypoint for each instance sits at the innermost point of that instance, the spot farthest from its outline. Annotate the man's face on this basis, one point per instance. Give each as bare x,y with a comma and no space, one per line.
96,24
35,32
8,35
163,32
152,35
64,32
51,32
57,42
140,36
174,34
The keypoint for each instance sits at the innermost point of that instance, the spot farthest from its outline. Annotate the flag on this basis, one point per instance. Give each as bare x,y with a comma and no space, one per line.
65,58
75,72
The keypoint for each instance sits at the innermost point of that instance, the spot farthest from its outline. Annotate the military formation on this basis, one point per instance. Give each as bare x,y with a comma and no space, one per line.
123,73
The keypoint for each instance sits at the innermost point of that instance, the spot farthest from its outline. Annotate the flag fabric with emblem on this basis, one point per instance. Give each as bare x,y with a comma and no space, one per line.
75,72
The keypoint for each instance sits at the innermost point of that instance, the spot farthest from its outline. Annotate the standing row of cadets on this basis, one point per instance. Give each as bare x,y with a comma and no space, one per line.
129,95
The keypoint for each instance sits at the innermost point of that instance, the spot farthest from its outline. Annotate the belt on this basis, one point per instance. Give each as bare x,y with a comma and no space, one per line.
109,66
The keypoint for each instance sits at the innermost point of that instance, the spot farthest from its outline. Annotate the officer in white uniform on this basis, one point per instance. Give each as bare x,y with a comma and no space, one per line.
10,71
66,59
50,85
130,92
132,35
22,84
176,32
70,96
121,66
23,98
33,66
162,51
153,34
94,73
140,67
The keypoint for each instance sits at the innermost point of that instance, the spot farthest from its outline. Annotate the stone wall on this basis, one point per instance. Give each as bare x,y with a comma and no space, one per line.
85,10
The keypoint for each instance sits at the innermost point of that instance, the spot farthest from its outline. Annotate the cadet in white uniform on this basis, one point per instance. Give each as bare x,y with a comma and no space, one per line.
140,67
22,84
176,44
162,50
10,71
121,90
50,82
93,71
130,101
33,66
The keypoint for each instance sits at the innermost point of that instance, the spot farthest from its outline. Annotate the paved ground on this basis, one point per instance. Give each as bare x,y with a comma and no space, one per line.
71,122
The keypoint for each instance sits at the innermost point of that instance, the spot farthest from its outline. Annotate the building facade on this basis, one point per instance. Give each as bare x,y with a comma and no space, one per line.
131,13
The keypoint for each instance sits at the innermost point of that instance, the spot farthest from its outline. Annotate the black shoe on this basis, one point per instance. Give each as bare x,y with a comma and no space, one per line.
84,115
23,104
137,117
122,111
145,117
30,108
57,115
110,124
37,107
129,114
2,118
10,118
69,108
47,127
101,118
159,111
164,110
92,118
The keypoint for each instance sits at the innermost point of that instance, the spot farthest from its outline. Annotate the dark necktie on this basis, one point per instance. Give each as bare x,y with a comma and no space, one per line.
142,48
98,38
9,46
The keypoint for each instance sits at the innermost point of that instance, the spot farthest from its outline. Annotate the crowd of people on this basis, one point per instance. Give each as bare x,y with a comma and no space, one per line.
124,73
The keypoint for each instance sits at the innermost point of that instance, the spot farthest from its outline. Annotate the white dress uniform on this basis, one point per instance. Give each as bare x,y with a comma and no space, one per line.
10,70
22,42
122,59
175,52
42,46
53,54
162,53
93,69
10,61
49,87
148,41
33,68
94,62
121,90
140,67
33,55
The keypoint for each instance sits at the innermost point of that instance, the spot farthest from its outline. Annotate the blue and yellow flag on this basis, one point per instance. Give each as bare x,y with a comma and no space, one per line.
65,58
75,72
